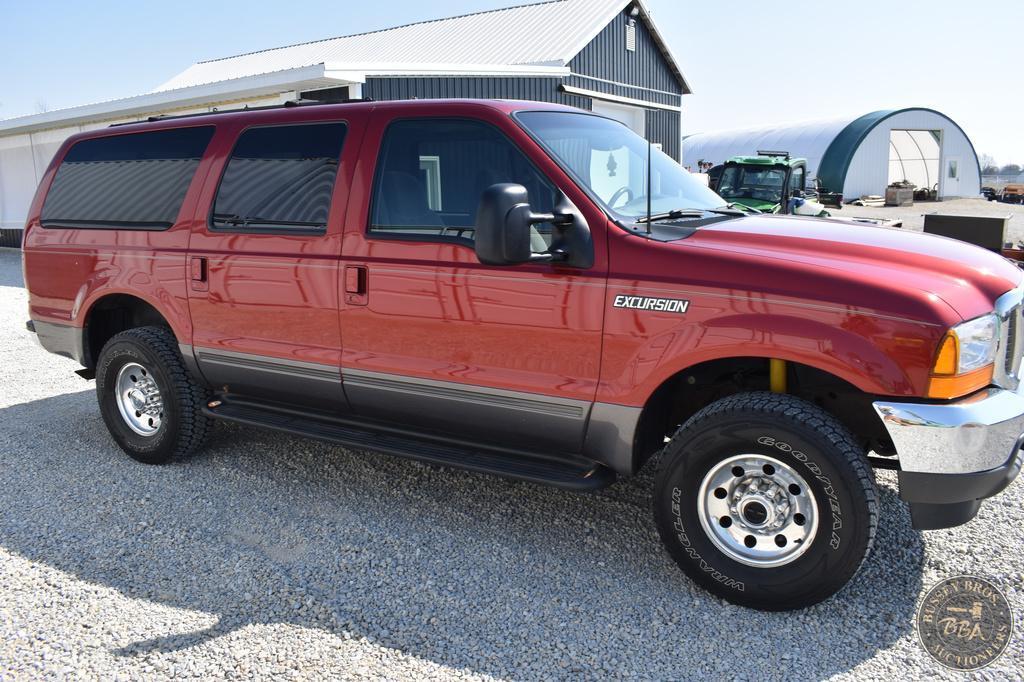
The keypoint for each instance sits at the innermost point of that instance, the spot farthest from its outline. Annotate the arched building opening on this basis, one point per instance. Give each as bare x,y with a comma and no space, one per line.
861,155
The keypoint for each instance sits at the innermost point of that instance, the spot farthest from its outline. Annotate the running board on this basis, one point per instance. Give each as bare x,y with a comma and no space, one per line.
575,473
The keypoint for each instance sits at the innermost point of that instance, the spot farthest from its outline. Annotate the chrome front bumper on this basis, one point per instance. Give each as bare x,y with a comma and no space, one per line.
953,455
976,433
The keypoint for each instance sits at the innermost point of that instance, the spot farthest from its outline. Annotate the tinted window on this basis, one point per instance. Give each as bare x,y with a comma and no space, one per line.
280,179
133,181
431,174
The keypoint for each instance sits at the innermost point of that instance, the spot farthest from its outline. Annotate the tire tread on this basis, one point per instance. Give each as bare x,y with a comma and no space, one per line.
194,426
805,415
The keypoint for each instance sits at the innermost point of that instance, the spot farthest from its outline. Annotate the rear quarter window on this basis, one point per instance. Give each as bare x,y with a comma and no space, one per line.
132,181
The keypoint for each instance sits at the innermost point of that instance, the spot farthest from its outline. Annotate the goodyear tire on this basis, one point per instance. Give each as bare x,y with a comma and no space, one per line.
767,501
152,406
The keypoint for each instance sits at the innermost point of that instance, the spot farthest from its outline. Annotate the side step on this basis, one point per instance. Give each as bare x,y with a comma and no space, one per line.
575,473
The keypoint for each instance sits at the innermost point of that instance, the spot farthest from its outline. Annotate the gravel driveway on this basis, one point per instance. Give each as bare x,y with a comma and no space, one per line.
913,216
272,556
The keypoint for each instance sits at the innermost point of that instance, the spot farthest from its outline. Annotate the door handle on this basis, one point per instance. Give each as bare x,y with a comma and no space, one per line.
200,274
356,285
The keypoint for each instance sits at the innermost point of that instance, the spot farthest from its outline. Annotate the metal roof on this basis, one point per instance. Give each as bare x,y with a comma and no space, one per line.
528,40
808,139
546,34
309,77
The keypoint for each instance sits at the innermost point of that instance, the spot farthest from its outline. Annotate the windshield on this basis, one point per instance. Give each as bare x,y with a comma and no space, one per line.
610,161
760,184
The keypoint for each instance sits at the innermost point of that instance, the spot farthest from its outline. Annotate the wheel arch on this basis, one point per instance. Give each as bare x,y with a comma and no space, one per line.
115,312
685,392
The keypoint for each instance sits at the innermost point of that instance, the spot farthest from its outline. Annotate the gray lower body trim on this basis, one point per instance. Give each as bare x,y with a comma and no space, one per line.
188,355
601,432
62,339
305,383
514,419
611,436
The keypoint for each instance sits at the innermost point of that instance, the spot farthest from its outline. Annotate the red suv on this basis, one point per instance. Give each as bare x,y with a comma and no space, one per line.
533,291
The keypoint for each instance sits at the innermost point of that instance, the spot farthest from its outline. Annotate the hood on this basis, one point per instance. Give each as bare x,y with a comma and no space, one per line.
966,277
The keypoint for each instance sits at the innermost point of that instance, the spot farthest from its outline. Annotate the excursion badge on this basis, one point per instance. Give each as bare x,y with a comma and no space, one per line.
661,305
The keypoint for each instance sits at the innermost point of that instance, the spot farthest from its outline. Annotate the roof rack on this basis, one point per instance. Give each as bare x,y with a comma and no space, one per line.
287,105
772,153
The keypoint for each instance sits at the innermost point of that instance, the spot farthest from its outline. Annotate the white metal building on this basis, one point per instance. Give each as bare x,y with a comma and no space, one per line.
861,155
604,55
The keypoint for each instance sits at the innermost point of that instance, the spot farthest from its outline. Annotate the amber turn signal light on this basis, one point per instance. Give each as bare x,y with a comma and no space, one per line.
948,357
945,388
945,383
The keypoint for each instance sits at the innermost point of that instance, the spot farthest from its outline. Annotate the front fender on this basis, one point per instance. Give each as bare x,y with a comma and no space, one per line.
877,354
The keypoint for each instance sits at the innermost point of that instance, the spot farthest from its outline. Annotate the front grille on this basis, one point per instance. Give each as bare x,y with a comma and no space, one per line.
1012,327
1011,343
1010,309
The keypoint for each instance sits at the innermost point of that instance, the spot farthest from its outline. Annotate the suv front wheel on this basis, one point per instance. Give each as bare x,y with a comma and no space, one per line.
767,501
152,406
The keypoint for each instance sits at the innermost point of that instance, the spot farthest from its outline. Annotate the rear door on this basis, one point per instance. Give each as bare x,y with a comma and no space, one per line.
432,337
264,259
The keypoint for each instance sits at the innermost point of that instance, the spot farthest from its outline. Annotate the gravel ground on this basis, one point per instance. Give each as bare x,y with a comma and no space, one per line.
271,556
913,216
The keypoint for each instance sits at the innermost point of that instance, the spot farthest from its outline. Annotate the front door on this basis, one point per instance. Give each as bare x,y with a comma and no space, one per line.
264,262
436,340
951,178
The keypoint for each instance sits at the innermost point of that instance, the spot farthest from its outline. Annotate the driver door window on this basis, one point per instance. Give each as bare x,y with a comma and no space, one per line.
432,172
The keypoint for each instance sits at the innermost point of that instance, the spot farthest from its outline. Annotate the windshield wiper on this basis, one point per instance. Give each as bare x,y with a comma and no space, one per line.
740,209
679,213
674,214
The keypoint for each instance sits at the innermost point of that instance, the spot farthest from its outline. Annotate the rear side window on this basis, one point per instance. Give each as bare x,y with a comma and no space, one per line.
135,181
280,180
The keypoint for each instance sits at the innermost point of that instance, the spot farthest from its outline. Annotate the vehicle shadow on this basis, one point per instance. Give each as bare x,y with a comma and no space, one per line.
464,570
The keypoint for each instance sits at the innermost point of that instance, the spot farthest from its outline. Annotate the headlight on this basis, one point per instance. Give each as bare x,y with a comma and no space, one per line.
966,358
978,340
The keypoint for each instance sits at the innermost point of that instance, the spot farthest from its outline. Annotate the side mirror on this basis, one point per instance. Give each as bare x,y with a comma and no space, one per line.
503,219
504,222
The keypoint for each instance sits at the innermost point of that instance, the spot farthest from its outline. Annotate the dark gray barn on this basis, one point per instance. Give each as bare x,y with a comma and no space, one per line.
604,55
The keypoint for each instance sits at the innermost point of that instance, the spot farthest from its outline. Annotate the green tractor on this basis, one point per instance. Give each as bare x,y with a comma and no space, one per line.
771,182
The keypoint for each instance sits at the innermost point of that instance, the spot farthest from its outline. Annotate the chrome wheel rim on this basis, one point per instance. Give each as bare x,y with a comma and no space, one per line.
758,510
138,399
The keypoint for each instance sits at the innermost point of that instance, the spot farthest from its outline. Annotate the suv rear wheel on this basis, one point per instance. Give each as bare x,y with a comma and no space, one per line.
151,404
767,501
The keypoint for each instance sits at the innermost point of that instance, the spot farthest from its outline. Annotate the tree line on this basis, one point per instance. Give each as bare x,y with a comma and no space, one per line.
990,167
1008,169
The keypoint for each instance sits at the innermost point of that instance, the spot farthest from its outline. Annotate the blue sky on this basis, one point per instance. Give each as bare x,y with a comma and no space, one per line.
749,62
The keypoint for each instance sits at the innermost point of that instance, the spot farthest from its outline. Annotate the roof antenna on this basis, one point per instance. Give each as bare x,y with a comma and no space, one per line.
648,187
